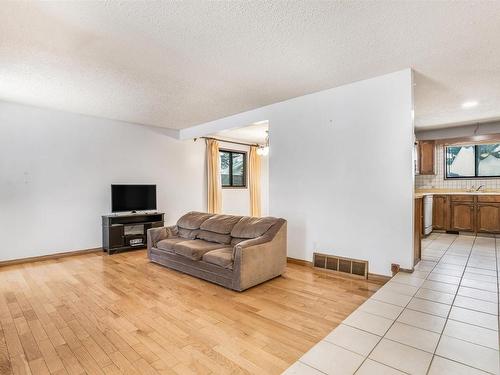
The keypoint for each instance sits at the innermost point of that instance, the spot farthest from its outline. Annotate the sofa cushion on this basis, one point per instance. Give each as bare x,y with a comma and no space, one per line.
214,237
195,249
168,243
193,220
252,227
220,257
189,234
222,224
236,240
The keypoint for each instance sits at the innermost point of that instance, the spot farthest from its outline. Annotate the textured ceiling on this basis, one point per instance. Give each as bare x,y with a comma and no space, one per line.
178,64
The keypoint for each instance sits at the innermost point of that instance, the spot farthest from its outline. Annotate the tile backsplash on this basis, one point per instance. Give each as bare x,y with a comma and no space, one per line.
437,181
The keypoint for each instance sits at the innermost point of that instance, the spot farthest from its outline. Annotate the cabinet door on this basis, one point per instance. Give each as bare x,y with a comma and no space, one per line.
440,205
116,236
488,218
426,156
462,217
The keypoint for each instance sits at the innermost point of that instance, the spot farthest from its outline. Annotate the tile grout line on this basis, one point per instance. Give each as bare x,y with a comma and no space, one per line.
395,320
433,314
498,289
447,318
452,360
308,365
471,254
455,295
360,355
452,302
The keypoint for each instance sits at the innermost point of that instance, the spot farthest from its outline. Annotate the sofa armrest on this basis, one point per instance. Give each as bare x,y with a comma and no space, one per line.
157,234
260,259
253,242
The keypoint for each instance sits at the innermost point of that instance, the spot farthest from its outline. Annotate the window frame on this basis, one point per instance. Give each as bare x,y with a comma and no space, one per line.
476,161
245,160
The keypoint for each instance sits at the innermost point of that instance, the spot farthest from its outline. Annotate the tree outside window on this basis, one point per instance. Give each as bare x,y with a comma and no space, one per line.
233,168
473,161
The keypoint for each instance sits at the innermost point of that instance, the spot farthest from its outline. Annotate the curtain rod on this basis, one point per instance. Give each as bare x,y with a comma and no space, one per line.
233,142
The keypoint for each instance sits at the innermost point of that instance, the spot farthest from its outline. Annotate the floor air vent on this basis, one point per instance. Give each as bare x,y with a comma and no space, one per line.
342,265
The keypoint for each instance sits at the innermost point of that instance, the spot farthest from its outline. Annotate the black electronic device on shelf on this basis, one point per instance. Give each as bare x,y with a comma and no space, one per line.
126,229
125,232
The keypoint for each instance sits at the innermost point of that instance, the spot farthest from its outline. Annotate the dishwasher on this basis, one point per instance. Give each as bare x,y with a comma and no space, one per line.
427,214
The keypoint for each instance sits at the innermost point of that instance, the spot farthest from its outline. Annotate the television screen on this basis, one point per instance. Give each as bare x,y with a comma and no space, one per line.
133,197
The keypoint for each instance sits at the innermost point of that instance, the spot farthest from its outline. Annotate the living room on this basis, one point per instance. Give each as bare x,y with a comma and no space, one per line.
173,202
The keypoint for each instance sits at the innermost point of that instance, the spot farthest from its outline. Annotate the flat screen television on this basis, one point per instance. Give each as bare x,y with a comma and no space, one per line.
133,198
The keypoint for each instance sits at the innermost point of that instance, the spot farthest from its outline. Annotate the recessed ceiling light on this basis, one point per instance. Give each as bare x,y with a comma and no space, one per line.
470,104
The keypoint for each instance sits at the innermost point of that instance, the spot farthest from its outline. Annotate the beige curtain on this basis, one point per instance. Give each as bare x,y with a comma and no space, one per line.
214,189
254,180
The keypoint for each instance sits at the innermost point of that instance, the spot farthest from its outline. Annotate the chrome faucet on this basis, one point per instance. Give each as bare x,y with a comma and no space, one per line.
479,188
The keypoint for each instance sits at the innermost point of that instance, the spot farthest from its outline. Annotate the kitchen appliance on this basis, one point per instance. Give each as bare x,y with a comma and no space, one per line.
427,214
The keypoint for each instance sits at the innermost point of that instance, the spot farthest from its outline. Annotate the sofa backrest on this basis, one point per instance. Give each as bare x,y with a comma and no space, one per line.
193,220
222,224
252,227
227,229
188,226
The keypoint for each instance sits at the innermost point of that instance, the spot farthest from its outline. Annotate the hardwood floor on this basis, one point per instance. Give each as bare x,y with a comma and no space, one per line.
99,314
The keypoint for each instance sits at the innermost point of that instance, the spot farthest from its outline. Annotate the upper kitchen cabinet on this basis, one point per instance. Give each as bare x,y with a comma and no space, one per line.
426,154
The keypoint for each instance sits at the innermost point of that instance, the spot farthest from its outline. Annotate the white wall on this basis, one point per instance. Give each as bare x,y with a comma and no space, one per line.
341,169
56,169
237,201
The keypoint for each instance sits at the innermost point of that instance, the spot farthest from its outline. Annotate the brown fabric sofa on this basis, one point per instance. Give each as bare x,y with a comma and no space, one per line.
237,252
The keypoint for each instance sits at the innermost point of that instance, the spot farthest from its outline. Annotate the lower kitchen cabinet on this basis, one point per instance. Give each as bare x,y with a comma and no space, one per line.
462,217
440,208
488,217
467,213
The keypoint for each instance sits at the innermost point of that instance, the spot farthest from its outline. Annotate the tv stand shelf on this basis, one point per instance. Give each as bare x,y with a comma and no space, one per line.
125,232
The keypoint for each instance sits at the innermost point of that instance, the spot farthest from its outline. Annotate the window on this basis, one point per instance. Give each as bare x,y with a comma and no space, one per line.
473,161
460,161
233,169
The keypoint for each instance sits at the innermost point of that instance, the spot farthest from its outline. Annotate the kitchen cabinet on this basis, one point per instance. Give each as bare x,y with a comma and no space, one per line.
488,217
426,154
466,213
440,208
462,216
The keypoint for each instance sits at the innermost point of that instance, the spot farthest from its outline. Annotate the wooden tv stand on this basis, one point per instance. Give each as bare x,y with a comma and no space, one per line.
126,232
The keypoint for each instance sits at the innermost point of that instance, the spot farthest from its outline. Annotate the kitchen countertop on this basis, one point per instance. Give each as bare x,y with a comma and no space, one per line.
419,193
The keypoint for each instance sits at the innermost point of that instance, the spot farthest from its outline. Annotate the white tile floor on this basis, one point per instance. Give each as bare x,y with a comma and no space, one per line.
441,319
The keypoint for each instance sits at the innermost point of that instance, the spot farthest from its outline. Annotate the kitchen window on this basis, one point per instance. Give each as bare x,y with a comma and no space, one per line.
472,161
233,168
